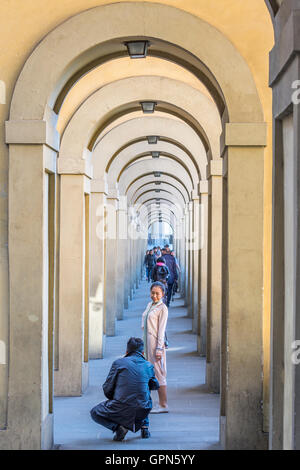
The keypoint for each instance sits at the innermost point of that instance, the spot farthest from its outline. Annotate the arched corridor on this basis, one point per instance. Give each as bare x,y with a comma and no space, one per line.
193,419
120,119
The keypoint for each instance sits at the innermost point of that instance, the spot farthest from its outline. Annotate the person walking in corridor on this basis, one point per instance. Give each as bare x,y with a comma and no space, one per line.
173,276
154,322
127,388
150,261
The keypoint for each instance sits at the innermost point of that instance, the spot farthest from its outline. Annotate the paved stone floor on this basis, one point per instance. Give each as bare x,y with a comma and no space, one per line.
192,422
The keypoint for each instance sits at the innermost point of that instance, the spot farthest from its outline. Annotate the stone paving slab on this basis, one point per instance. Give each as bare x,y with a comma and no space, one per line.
193,420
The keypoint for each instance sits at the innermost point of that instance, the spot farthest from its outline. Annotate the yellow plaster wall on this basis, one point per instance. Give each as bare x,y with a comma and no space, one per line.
246,23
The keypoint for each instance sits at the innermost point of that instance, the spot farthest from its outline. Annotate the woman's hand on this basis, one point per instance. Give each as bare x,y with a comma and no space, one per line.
158,354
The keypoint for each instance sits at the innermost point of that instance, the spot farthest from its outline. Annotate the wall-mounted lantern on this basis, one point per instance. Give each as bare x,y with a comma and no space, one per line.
155,154
152,139
137,49
148,106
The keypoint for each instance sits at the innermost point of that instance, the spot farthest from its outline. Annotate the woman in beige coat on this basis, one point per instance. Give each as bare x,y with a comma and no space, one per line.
154,322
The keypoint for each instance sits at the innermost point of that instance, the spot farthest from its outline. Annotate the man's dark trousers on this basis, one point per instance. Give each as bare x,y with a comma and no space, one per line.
110,424
169,292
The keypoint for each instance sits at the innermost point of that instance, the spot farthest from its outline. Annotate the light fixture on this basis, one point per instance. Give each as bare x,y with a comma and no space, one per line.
155,154
152,139
157,190
157,174
137,49
157,182
148,106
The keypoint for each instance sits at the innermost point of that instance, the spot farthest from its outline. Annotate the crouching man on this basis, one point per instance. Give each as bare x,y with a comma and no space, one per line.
127,388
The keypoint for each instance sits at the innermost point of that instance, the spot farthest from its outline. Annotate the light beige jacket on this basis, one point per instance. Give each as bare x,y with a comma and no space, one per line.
156,323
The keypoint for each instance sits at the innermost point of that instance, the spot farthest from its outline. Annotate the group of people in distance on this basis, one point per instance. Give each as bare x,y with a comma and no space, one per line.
162,265
143,367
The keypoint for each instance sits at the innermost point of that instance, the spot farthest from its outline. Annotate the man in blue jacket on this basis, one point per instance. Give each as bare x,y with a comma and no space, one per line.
173,275
127,388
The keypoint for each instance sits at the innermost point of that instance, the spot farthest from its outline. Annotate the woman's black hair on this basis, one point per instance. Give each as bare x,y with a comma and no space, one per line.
161,260
160,285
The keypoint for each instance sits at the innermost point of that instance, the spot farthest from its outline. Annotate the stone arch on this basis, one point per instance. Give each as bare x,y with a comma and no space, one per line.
149,179
163,187
102,105
140,169
117,142
99,28
142,150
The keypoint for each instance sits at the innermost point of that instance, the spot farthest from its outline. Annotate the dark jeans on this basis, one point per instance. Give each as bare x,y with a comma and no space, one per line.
110,424
149,272
169,292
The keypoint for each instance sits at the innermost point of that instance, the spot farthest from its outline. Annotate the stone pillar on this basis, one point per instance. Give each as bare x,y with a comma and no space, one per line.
182,257
126,278
214,314
189,259
284,429
29,413
122,258
71,378
97,270
111,262
195,253
202,326
241,428
186,256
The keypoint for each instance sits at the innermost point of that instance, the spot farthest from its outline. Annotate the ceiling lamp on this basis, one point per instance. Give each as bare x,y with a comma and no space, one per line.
152,139
148,106
157,182
157,190
157,174
155,154
137,49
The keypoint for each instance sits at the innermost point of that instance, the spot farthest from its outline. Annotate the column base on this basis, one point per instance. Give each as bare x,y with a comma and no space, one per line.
212,378
85,376
47,430
223,432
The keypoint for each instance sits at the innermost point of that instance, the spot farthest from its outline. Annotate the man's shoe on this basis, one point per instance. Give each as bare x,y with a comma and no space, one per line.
145,433
120,433
160,409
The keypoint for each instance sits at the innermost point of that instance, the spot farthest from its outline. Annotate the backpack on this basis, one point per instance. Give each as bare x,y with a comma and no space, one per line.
162,273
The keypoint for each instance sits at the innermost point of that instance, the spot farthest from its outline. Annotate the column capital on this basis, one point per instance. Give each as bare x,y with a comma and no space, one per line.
99,186
246,134
215,168
113,194
32,131
203,187
74,166
195,195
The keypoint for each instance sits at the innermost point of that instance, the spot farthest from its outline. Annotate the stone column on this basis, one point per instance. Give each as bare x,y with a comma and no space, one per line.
122,258
284,429
126,279
190,261
111,262
202,326
97,270
241,427
72,376
195,253
182,257
29,416
186,256
215,284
